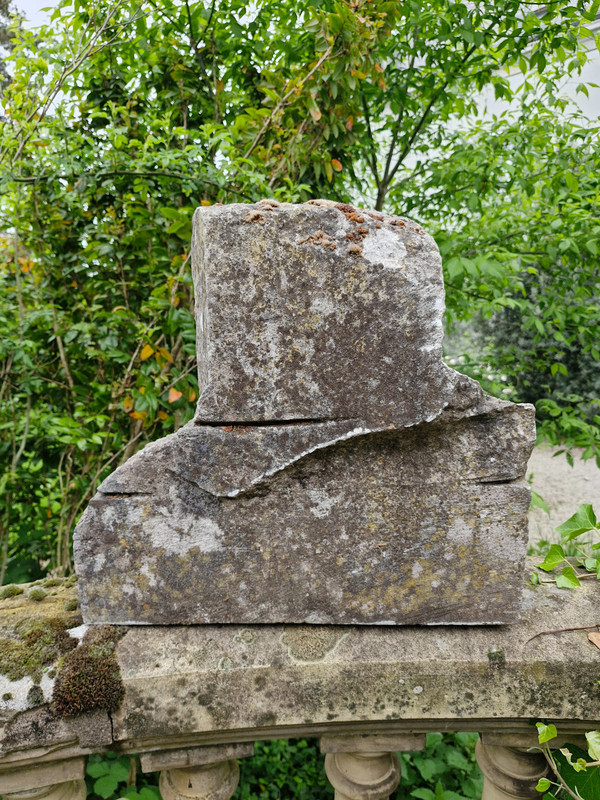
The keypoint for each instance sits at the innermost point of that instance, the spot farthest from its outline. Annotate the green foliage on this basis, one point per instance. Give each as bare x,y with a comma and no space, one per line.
445,770
511,233
574,774
284,769
122,118
586,559
110,776
293,770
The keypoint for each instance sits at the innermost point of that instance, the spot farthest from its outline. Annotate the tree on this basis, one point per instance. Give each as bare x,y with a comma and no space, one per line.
122,117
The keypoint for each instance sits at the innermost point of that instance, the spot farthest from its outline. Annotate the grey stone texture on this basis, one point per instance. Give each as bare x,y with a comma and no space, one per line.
192,686
337,471
317,311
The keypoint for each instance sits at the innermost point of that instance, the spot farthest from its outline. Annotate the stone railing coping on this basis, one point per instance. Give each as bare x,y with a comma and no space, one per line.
191,687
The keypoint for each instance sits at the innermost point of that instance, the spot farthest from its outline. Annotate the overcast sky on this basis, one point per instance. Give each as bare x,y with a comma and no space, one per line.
32,10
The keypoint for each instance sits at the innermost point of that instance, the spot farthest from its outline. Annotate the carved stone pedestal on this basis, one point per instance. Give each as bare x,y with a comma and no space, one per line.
201,773
510,773
365,767
362,776
211,782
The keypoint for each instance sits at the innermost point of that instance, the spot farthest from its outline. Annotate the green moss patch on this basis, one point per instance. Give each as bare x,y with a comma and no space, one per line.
36,643
11,590
89,677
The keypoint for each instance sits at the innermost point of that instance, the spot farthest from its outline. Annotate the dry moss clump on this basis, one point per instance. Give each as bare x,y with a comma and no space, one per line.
37,643
89,677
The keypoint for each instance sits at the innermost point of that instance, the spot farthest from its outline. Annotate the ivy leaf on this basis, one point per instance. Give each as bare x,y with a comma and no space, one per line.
579,765
593,742
545,732
582,521
554,557
543,785
586,782
150,793
567,579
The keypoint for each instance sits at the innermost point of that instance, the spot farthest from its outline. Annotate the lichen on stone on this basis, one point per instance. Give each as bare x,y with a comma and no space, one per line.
36,644
89,677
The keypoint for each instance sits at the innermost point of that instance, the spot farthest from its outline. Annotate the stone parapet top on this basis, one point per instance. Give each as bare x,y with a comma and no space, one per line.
190,686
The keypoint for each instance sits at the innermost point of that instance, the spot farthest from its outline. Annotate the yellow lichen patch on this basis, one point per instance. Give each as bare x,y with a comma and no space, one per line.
311,643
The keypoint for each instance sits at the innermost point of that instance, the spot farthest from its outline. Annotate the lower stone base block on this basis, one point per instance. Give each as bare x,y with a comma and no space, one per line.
324,523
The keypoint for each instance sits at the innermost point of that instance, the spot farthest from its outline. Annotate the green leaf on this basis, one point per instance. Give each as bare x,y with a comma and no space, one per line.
543,785
593,743
119,770
554,557
150,793
571,181
423,794
587,782
97,769
567,579
582,521
537,501
105,786
545,732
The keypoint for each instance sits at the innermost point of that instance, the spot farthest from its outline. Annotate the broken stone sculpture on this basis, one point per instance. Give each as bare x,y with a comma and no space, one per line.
337,471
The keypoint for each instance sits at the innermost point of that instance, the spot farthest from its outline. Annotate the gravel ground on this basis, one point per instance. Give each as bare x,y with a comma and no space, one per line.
562,487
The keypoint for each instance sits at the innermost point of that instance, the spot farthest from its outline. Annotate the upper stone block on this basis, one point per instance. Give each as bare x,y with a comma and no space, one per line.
317,311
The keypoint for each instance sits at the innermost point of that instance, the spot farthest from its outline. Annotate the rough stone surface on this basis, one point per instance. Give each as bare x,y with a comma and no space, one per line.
235,683
323,522
195,686
317,311
337,470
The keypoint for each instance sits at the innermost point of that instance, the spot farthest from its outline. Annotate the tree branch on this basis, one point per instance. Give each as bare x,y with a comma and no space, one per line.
282,103
373,160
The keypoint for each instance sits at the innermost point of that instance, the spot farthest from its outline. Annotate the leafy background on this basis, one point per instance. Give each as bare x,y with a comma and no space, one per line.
120,118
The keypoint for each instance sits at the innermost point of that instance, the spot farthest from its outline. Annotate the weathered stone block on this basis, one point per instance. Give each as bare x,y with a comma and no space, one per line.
320,523
317,312
337,471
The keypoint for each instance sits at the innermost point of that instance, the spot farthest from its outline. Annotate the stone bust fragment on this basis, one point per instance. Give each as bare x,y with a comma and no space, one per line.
337,471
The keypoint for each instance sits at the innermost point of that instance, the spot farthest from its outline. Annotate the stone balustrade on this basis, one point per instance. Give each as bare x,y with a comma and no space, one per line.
196,697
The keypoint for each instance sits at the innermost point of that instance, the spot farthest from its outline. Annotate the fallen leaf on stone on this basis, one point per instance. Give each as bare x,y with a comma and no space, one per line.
594,638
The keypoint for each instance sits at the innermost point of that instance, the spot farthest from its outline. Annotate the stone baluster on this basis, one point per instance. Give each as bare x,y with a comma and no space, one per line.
365,767
201,773
62,780
510,773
